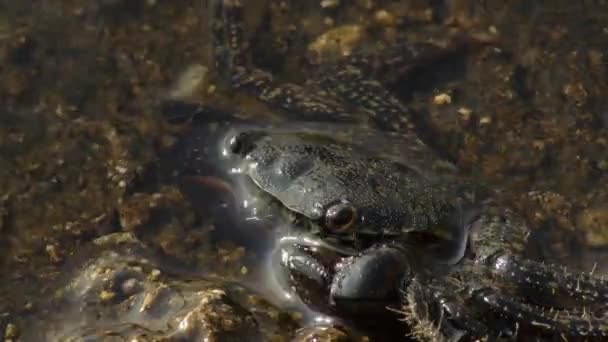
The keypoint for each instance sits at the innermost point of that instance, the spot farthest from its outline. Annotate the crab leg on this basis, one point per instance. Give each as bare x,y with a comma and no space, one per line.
438,305
390,63
386,111
323,99
231,58
583,288
572,323
455,307
498,240
360,79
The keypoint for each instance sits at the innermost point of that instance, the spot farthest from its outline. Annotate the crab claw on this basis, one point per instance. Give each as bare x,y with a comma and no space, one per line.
370,280
302,264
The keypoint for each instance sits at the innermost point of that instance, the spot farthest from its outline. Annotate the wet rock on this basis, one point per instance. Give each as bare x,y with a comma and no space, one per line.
11,332
329,3
540,207
190,81
336,43
323,333
594,222
129,292
165,219
575,92
217,318
137,211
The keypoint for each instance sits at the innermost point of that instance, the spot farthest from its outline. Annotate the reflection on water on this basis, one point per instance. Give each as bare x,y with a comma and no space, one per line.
85,152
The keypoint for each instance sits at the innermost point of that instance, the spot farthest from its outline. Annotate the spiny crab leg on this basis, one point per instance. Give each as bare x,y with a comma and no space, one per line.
551,280
561,322
231,57
500,239
227,29
360,80
497,241
323,98
475,309
387,112
439,304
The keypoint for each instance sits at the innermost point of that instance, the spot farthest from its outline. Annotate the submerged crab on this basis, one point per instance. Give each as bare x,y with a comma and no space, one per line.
382,233
393,229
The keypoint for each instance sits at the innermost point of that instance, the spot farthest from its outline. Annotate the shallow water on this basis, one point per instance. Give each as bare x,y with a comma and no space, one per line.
83,142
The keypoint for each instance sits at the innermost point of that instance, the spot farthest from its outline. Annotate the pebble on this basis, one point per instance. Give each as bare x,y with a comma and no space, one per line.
10,332
155,274
442,99
335,43
593,221
130,286
465,113
51,250
485,120
330,3
106,296
385,18
189,81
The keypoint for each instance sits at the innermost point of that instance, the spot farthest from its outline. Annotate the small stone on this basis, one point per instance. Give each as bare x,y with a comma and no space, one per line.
465,113
116,239
593,221
330,3
538,144
321,333
130,287
121,169
106,296
217,292
595,57
11,331
155,274
51,250
485,120
189,81
442,99
336,43
385,18
575,92
28,306
147,301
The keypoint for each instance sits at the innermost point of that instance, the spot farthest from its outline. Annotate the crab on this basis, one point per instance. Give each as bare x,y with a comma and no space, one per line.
372,228
375,233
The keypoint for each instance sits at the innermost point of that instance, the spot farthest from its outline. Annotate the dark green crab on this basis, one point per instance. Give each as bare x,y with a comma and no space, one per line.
383,233
395,229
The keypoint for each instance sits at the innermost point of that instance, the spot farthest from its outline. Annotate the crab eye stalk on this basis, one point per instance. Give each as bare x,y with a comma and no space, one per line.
340,217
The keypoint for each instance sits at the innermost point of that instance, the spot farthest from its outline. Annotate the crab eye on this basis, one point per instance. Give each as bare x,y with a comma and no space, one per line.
236,145
340,217
241,143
